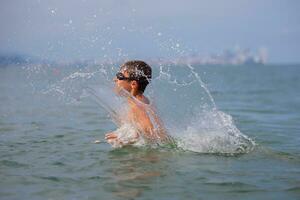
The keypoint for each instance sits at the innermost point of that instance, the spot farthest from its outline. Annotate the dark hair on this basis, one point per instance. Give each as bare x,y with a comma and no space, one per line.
139,71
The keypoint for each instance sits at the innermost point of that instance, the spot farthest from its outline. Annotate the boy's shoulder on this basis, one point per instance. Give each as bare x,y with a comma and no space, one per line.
145,100
141,101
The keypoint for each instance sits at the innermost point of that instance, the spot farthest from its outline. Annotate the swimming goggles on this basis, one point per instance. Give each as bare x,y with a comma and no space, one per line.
120,76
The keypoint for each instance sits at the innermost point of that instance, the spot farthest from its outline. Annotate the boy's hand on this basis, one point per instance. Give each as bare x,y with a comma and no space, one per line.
112,139
109,136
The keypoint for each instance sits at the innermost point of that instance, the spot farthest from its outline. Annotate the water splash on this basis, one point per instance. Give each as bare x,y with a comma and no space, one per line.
191,115
214,132
183,101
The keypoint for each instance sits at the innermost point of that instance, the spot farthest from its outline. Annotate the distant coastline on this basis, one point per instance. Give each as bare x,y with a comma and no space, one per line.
227,57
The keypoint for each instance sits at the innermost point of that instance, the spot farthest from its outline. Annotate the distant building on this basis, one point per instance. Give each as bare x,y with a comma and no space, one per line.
233,57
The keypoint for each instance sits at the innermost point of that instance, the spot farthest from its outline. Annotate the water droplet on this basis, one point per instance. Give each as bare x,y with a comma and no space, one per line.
97,141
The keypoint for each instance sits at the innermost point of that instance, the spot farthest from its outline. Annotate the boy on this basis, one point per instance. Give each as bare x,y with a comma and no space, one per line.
131,82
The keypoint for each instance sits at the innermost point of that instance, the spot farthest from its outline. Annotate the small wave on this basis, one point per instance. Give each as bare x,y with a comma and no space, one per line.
52,178
58,163
293,189
10,163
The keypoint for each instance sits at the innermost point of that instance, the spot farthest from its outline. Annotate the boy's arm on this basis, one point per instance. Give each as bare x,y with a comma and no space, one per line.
140,117
150,124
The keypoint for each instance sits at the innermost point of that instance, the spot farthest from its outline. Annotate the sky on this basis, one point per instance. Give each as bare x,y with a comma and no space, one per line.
115,29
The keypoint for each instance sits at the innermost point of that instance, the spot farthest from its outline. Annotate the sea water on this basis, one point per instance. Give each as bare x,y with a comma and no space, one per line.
237,129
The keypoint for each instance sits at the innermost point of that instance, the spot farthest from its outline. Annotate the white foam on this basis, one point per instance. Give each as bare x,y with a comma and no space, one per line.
126,135
214,132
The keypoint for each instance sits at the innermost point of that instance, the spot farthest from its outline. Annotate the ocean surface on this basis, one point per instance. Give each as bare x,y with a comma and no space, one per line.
237,127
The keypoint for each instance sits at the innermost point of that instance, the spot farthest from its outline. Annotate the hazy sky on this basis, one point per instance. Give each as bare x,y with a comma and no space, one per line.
96,29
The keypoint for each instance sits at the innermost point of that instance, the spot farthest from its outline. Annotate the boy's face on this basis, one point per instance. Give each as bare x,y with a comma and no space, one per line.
123,84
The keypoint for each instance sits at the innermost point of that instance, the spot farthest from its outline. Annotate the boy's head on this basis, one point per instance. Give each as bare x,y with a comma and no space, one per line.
136,73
